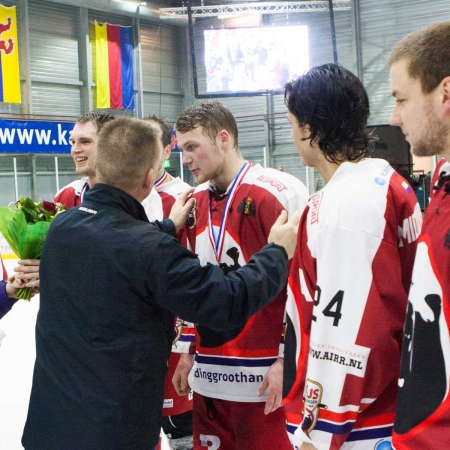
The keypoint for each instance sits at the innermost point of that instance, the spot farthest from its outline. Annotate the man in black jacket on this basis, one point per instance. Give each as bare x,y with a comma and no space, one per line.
111,283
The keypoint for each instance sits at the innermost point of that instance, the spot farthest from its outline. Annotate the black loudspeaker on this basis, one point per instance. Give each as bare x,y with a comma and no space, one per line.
393,147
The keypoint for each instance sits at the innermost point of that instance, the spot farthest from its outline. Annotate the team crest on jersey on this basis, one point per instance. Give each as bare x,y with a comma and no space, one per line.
191,220
247,207
233,253
312,404
178,330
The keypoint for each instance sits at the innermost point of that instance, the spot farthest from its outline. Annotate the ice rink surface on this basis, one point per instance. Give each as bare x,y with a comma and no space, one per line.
17,354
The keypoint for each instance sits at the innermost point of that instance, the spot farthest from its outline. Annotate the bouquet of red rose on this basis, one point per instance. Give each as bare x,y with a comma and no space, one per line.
25,229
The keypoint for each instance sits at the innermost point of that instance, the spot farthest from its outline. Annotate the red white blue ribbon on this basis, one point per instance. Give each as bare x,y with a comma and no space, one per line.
161,180
218,241
83,191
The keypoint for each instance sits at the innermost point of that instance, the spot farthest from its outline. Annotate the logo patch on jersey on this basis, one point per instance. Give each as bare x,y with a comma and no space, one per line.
383,445
168,403
278,185
191,220
314,207
247,207
178,331
447,240
312,398
380,181
407,187
233,253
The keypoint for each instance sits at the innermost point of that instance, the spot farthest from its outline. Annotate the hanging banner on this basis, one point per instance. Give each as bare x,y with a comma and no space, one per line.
17,136
9,56
114,66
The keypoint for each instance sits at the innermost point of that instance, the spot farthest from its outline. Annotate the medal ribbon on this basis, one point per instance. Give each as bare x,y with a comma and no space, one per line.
217,242
161,180
83,191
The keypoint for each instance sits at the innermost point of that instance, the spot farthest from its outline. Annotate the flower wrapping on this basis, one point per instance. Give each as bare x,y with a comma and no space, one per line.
25,229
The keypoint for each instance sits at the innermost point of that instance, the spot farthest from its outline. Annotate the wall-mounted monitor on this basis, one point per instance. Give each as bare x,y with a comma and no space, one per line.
393,147
254,60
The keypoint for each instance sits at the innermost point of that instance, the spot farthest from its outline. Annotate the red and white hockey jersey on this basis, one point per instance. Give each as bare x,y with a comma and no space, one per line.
423,409
231,365
157,207
72,194
347,296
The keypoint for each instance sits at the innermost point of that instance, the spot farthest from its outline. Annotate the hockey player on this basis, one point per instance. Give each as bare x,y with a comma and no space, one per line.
82,140
236,204
420,81
350,276
177,409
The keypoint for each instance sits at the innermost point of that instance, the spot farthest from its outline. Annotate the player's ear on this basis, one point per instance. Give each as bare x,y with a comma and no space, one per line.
445,91
225,138
167,152
149,179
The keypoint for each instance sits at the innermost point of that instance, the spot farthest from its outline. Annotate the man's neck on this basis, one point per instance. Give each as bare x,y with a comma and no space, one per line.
327,170
92,180
167,179
445,154
229,172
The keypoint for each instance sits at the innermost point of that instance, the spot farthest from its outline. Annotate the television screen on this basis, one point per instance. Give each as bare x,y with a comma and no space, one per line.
393,147
254,59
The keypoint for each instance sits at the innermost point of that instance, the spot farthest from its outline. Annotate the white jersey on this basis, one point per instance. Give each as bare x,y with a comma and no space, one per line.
347,299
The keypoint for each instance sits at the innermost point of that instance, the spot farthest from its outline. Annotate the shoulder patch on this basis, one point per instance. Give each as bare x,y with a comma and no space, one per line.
247,207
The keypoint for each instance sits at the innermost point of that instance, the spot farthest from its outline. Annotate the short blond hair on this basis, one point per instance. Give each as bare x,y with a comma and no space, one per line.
126,149
427,52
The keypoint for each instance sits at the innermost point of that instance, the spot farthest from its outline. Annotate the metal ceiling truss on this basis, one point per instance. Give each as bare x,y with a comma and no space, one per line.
252,8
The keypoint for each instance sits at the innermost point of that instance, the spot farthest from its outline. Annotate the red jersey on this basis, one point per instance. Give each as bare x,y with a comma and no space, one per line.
347,299
72,194
156,209
227,229
423,410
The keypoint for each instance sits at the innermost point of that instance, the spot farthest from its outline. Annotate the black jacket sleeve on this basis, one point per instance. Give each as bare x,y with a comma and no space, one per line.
204,295
166,226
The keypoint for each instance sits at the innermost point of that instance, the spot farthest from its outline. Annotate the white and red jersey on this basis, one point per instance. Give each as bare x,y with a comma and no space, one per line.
347,296
152,205
231,365
157,206
72,194
423,408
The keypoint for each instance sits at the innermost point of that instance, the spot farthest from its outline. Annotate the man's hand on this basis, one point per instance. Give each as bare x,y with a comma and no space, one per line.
181,209
26,275
307,446
284,232
180,377
274,381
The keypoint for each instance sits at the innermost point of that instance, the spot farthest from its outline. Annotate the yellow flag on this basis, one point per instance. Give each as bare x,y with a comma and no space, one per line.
9,56
102,65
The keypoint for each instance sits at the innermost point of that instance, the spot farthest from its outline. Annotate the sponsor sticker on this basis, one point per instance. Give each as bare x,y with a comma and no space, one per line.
313,403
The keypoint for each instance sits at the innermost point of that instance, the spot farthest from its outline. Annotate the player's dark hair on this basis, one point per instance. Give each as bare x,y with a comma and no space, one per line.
334,104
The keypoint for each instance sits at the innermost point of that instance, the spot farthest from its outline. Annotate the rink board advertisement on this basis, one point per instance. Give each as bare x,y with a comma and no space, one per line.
5,249
27,136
